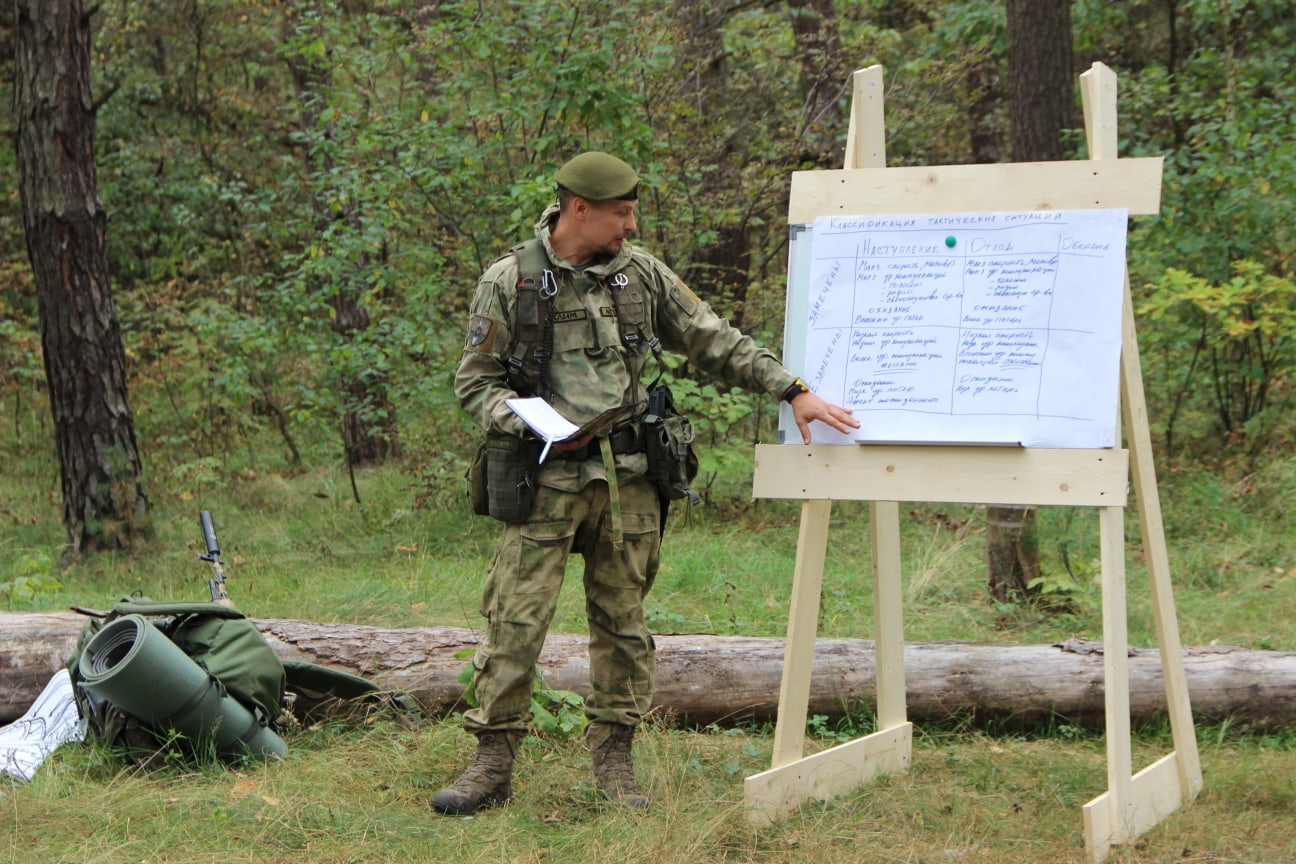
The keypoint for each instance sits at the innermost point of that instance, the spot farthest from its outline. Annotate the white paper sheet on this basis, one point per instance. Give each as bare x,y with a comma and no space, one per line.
53,720
994,328
544,420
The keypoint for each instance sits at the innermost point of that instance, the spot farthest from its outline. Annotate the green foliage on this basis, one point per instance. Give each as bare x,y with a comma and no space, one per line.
843,729
723,420
32,578
1217,106
266,165
1059,588
557,713
19,352
432,148
1223,349
536,83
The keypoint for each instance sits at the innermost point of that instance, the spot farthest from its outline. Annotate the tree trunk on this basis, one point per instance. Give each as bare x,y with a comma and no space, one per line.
1041,82
823,78
731,679
1042,105
369,425
1012,549
104,505
724,264
984,97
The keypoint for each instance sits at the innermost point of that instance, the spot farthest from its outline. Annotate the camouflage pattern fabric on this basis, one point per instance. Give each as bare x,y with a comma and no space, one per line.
522,592
591,370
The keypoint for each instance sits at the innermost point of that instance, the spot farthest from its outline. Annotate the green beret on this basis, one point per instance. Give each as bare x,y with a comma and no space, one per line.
597,176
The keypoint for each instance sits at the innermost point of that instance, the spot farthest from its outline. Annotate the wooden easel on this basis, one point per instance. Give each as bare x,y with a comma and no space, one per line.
887,475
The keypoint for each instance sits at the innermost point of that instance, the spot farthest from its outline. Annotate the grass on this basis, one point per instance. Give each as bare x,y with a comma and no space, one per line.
298,545
347,795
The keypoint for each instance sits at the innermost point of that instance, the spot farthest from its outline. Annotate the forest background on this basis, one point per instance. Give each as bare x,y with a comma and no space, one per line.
301,196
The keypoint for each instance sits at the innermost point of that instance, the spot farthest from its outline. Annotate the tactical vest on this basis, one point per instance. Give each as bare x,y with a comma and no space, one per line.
537,285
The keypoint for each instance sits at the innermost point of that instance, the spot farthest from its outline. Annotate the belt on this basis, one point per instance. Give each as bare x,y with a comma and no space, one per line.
627,439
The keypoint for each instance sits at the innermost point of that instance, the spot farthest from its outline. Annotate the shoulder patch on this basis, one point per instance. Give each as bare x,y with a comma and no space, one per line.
684,297
481,334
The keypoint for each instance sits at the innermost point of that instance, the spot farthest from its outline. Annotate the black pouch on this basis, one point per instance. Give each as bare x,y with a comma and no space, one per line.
668,442
510,469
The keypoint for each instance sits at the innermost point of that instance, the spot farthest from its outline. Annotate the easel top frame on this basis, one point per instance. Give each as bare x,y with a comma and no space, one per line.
1134,184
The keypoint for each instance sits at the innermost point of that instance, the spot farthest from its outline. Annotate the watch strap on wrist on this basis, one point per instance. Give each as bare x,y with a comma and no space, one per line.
795,389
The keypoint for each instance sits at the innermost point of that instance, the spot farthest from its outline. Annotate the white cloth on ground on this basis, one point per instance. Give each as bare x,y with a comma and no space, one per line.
53,720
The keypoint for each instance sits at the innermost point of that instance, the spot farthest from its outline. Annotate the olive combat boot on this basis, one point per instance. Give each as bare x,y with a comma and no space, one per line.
487,781
613,768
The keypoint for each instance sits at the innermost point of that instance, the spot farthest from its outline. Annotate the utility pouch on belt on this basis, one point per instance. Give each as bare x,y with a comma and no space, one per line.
668,440
477,493
502,477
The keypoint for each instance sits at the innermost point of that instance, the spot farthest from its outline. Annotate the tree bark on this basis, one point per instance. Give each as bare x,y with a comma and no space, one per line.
724,264
984,97
823,78
1041,106
1012,550
1042,88
731,679
104,505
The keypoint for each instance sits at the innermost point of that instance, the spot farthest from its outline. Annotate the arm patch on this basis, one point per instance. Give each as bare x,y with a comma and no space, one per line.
684,297
481,334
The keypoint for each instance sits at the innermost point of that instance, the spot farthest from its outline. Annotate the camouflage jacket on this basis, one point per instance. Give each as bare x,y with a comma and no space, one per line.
591,369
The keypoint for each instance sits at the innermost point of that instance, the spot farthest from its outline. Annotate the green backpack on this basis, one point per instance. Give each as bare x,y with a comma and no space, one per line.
219,639
231,650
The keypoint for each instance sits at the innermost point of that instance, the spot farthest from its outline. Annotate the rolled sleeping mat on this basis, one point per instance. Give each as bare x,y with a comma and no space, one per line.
133,665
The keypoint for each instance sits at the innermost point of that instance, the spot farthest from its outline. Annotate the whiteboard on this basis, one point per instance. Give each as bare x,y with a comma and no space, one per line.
976,328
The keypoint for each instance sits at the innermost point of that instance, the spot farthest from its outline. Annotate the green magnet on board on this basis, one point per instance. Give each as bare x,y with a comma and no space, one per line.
950,241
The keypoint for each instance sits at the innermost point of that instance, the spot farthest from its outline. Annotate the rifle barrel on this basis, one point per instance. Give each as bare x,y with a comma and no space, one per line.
209,534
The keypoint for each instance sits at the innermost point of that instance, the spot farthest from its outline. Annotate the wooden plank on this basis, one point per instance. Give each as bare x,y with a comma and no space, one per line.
1120,765
803,624
1151,528
888,614
777,793
1098,89
1098,95
1077,185
970,475
1156,793
866,134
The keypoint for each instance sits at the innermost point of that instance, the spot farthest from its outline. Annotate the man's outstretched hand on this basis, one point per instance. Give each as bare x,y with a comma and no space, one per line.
807,407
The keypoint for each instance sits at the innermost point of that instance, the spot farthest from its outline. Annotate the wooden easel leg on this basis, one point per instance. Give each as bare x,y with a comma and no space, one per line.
888,614
793,778
803,624
1147,499
1103,829
1127,811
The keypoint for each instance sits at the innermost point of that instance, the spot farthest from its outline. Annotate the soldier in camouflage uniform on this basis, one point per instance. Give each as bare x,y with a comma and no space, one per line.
590,367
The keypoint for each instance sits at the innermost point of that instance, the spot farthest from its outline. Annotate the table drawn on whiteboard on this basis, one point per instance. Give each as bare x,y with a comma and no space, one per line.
979,328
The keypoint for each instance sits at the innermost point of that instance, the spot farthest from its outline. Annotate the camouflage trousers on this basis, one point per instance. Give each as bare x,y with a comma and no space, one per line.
522,593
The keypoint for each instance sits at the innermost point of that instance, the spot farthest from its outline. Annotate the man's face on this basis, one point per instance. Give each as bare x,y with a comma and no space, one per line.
608,224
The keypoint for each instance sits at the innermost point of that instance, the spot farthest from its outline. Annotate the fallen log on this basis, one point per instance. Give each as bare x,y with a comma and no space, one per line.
703,679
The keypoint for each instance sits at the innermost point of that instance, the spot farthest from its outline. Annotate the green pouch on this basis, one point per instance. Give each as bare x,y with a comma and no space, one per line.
512,465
